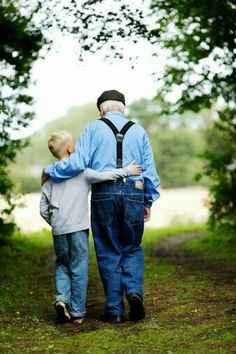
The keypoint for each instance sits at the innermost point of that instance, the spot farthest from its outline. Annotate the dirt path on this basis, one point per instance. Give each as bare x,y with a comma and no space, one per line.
208,287
190,305
171,246
172,249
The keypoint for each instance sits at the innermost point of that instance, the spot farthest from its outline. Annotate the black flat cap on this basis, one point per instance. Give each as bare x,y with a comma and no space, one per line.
110,95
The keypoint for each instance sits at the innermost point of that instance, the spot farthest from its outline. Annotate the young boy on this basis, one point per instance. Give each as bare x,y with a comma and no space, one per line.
64,206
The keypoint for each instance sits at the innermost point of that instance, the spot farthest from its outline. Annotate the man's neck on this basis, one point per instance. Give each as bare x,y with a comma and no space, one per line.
113,113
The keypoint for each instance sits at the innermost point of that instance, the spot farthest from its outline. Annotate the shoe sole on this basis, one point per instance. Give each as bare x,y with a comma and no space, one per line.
61,316
137,311
110,320
78,321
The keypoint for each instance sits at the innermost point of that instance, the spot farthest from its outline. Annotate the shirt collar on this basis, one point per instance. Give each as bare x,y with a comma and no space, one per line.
114,114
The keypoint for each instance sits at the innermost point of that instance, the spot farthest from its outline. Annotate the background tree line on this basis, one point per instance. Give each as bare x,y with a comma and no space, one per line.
177,144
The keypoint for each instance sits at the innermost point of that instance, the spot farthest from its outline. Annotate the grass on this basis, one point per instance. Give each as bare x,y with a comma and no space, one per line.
188,311
152,235
215,246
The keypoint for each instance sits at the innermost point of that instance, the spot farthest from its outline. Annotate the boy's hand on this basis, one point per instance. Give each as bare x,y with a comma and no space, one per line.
43,177
136,169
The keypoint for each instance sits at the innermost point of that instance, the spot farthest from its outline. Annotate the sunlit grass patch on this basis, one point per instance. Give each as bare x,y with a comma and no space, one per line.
214,246
152,235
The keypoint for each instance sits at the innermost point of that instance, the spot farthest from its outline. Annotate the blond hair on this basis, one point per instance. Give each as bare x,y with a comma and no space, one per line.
59,141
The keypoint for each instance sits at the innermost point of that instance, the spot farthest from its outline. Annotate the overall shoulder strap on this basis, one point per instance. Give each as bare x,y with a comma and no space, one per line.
126,127
111,125
119,139
119,148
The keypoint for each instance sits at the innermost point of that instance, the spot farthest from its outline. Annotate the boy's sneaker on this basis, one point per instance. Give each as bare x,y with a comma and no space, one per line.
77,320
62,312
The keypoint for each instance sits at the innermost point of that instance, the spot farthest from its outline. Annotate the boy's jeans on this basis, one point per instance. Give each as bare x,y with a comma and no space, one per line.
117,223
72,270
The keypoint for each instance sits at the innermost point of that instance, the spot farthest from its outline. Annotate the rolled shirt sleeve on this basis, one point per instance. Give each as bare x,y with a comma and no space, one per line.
151,178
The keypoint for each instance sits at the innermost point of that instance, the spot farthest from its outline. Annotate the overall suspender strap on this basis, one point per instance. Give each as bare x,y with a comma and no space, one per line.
119,135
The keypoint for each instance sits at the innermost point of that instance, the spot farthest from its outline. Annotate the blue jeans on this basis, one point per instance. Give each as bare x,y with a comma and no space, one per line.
117,224
72,270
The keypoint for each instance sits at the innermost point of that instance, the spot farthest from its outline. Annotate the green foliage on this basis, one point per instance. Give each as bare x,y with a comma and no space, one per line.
201,63
214,245
20,42
24,182
93,24
221,167
198,34
176,144
177,158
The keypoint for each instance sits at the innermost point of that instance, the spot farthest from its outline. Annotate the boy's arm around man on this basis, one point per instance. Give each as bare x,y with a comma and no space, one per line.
93,176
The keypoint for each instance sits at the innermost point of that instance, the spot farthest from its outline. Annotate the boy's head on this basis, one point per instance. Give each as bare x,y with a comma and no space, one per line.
61,144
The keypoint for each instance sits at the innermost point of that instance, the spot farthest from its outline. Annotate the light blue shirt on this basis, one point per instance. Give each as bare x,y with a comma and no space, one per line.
96,149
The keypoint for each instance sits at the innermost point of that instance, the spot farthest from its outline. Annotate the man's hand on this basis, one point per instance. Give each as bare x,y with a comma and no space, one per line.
43,177
147,214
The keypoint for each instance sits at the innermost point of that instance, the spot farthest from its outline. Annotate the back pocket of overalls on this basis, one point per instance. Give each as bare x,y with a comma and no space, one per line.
102,210
134,212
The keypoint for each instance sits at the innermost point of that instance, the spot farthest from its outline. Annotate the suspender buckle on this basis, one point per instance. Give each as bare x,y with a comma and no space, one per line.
119,163
119,137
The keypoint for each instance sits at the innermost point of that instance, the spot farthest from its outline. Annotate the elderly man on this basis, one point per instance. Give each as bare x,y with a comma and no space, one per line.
118,209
